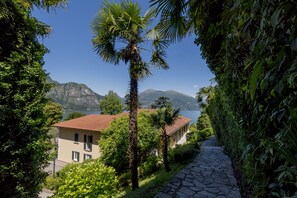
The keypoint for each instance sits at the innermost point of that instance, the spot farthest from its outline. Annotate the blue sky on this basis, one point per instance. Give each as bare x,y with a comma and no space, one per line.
73,59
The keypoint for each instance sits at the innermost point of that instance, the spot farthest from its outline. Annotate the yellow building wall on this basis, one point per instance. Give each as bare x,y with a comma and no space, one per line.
177,135
66,144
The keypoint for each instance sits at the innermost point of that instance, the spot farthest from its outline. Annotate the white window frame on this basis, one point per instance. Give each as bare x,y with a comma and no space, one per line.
88,141
87,156
75,156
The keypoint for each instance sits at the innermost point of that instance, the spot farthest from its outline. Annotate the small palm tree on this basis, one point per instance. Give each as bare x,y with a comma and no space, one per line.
165,116
120,32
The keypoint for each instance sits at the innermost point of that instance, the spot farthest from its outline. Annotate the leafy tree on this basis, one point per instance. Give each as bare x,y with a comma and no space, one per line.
165,116
74,115
251,47
53,113
204,95
127,102
114,141
89,179
203,121
111,104
119,31
162,102
23,137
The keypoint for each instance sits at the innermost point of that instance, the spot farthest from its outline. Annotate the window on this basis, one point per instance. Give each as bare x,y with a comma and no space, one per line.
75,137
88,141
87,156
75,156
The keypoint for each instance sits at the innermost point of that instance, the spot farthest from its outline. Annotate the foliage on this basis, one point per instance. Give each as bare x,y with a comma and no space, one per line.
149,166
250,46
91,179
204,95
162,102
23,137
119,31
162,117
203,121
149,186
111,104
114,141
53,113
74,115
184,153
52,182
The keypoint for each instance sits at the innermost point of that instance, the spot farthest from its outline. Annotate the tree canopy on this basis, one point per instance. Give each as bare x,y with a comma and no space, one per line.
111,104
74,115
53,113
114,141
250,46
162,102
23,138
119,34
164,116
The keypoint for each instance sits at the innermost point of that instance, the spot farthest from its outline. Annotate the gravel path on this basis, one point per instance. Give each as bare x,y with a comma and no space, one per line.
209,175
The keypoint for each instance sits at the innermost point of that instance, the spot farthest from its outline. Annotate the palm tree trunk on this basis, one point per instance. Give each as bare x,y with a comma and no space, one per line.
165,150
133,130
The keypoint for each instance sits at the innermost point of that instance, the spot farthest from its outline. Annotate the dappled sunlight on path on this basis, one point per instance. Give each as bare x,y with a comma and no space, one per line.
209,175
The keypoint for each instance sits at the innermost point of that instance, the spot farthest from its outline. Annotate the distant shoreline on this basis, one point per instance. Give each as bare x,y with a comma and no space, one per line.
192,114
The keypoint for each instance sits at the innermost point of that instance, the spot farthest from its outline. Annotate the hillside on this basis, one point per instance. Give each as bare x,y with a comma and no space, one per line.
178,100
74,96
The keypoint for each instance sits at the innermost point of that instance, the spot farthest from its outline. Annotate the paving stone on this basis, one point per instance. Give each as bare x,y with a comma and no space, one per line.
205,193
209,175
162,195
187,191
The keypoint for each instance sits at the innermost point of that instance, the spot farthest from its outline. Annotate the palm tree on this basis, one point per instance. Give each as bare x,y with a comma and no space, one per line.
204,95
162,118
120,33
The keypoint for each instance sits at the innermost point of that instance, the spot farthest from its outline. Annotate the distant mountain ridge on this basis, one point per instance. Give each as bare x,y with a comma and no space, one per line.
74,95
77,96
178,100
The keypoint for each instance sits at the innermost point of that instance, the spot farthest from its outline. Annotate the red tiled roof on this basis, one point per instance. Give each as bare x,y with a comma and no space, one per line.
88,122
101,122
179,122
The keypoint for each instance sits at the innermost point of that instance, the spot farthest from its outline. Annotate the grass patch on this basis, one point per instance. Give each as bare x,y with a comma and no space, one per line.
151,185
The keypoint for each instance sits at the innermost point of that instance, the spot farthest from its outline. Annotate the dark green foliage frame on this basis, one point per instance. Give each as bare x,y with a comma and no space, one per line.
251,46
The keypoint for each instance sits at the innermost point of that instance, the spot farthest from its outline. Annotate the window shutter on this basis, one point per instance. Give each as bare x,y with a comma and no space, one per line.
85,142
78,156
91,139
72,155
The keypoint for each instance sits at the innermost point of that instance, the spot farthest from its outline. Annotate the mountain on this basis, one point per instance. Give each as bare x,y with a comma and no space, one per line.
178,100
74,95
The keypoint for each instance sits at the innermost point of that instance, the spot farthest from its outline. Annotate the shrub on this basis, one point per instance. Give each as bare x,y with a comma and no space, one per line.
203,135
114,141
124,179
184,153
63,172
52,182
92,179
149,166
203,121
208,132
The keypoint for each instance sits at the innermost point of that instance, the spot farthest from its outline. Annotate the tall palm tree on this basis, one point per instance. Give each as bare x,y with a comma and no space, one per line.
165,116
120,33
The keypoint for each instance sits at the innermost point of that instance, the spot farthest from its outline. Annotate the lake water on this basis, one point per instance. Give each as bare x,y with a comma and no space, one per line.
193,115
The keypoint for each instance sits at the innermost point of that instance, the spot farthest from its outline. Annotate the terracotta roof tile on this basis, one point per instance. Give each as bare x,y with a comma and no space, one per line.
100,122
179,122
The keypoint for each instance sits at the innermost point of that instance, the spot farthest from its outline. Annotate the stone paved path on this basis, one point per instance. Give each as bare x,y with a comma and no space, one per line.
209,175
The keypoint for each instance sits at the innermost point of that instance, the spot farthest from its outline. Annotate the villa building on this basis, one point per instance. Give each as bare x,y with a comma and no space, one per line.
78,138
